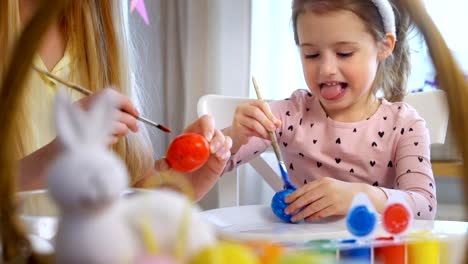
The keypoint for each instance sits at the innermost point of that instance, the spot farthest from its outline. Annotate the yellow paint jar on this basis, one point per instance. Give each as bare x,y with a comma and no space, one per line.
423,247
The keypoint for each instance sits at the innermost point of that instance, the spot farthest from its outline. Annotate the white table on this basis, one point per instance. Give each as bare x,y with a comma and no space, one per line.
257,222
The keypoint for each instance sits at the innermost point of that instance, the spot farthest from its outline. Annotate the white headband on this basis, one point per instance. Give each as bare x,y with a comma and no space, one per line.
386,12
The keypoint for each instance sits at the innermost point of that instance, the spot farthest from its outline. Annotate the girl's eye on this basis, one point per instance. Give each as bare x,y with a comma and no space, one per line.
311,56
345,54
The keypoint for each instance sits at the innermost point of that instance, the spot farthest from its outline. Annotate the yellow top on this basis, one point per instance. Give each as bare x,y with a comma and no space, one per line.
40,102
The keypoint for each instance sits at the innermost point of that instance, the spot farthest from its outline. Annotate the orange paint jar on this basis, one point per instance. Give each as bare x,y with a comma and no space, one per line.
390,251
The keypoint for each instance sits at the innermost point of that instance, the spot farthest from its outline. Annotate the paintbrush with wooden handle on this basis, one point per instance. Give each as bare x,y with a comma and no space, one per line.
88,92
274,143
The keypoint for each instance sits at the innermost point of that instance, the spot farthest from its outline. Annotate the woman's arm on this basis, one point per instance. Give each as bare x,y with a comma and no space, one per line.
32,169
204,178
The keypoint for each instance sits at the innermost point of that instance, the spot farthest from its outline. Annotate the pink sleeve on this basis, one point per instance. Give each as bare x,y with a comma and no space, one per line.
254,147
414,175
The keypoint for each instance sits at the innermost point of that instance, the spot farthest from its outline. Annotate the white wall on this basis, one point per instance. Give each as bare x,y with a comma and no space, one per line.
229,57
146,39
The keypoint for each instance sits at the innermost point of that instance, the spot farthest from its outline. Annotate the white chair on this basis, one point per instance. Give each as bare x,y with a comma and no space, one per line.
431,105
222,109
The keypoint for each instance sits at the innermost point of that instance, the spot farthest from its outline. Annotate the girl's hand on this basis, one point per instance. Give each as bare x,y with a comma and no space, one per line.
205,177
253,118
322,198
126,120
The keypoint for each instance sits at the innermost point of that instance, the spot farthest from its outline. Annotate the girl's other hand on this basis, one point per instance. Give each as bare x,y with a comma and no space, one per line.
322,198
126,120
253,118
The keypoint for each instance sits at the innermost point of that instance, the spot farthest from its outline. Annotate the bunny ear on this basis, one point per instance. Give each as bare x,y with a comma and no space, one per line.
102,115
69,121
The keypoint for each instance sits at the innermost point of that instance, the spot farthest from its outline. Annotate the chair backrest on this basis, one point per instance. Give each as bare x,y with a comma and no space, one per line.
220,107
431,105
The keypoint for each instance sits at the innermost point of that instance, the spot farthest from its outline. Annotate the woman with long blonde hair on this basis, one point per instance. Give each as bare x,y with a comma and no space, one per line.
87,45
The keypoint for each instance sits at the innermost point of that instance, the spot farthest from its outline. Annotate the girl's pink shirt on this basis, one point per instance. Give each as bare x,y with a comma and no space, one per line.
390,149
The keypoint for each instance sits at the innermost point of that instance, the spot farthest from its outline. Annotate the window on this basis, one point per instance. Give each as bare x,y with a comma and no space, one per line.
275,58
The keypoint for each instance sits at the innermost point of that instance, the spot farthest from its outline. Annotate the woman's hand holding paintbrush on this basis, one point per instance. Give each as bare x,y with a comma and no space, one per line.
128,116
126,119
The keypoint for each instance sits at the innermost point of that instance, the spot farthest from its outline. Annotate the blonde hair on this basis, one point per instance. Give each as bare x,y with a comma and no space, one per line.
392,73
15,244
450,77
9,28
101,52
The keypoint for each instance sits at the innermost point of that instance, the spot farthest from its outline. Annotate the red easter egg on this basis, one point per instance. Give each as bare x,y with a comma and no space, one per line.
396,218
188,152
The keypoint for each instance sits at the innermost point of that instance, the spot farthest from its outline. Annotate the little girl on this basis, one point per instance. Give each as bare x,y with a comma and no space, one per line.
339,139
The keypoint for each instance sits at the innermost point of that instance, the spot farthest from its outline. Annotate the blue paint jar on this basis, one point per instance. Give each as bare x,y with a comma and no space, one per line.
362,217
351,250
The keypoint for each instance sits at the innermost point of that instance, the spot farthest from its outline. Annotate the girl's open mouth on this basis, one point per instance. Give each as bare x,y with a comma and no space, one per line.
332,90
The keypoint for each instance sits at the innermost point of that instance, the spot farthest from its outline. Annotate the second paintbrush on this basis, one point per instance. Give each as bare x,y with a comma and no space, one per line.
88,92
276,149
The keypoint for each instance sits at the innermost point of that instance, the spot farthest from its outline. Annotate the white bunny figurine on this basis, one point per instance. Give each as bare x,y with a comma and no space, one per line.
86,181
172,219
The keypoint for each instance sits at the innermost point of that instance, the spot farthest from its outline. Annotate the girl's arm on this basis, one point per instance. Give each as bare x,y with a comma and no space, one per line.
414,176
414,180
377,196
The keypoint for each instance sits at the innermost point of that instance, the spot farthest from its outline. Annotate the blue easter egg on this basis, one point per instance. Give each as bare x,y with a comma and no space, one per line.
361,221
278,205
